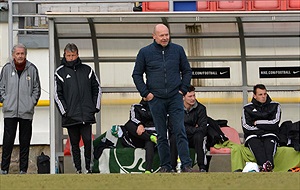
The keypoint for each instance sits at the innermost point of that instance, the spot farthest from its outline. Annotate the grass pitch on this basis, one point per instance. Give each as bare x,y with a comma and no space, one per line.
183,181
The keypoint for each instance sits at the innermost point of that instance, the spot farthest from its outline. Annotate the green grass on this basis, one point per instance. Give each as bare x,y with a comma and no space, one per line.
183,181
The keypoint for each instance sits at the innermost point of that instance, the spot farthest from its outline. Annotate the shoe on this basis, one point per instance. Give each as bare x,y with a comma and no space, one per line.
78,172
153,138
187,169
88,172
147,172
164,170
4,172
238,170
267,166
202,170
261,169
23,172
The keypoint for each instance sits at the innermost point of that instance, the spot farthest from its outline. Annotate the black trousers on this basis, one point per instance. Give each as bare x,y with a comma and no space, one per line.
196,141
263,149
142,141
75,133
25,133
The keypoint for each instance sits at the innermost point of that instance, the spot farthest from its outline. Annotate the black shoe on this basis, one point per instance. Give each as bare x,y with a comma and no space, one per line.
238,170
164,170
187,169
78,172
23,172
88,172
4,172
267,166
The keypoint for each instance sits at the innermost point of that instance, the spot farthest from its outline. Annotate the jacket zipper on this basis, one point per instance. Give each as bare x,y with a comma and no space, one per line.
165,71
79,95
18,80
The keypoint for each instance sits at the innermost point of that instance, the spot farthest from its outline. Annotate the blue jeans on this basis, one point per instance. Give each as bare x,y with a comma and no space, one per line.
173,107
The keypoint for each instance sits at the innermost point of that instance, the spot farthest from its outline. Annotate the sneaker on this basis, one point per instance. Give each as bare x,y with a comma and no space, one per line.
164,170
261,169
23,172
4,172
147,172
202,170
78,172
153,138
188,169
267,166
88,172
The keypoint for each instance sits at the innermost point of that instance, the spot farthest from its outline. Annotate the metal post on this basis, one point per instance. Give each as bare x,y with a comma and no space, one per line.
10,25
51,96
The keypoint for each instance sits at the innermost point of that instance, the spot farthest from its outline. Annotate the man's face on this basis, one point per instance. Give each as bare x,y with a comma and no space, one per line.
19,55
71,56
189,99
161,35
261,95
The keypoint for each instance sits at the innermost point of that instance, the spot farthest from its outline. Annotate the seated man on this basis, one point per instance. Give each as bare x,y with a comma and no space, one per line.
260,121
141,131
195,121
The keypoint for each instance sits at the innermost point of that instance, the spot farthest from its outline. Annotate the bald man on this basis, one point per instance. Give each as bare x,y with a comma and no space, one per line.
168,76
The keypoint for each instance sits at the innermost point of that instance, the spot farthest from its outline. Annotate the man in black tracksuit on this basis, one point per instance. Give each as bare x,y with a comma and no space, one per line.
195,122
77,96
260,121
141,131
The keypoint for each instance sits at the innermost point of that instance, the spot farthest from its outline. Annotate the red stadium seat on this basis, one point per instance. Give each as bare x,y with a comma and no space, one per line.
203,6
155,6
232,135
293,4
231,5
67,150
264,5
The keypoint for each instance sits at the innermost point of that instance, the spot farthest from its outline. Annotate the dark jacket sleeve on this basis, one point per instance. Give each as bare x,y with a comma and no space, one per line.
58,95
138,72
186,72
272,123
135,114
202,121
96,91
248,123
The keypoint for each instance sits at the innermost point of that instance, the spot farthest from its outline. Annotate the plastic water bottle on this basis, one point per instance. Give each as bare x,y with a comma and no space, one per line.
178,167
56,166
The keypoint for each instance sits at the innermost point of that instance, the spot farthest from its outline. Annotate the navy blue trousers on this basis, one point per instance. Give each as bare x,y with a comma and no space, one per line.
173,108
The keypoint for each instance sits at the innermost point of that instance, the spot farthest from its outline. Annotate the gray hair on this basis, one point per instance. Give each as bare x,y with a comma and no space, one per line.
71,47
19,46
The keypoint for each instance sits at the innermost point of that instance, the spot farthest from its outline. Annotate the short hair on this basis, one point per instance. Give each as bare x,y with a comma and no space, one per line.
19,46
71,47
260,86
191,88
155,28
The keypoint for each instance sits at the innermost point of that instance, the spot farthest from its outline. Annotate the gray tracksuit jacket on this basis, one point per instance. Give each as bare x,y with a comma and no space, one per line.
19,95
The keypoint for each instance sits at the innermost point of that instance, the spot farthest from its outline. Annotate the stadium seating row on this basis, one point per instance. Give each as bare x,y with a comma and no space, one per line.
223,5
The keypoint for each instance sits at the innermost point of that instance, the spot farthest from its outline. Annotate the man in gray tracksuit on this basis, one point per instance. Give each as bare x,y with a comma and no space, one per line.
20,91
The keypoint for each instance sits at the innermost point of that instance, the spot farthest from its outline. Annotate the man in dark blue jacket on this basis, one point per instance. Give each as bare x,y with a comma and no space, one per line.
77,96
260,122
168,76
